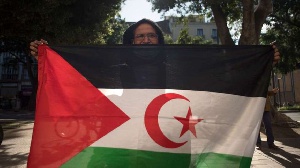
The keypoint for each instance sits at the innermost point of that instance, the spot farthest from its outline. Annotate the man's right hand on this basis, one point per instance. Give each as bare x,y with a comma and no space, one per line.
34,47
275,90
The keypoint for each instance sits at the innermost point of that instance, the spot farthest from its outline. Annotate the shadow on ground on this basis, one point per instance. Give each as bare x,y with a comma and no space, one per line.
286,159
287,132
14,151
12,160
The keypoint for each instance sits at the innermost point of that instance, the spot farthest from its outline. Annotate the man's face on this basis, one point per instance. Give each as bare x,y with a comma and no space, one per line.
145,34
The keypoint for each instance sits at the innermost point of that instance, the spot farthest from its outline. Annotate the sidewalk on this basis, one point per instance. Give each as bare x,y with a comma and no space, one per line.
287,156
19,126
287,138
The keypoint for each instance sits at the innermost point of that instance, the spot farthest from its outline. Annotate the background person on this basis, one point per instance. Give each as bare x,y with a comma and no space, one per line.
267,121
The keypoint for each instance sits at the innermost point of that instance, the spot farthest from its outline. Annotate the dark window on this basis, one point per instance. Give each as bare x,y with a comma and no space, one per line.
199,32
214,33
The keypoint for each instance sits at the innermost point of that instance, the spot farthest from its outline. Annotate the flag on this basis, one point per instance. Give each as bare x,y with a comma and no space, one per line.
149,106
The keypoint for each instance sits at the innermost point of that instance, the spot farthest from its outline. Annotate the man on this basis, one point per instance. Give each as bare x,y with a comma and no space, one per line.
137,33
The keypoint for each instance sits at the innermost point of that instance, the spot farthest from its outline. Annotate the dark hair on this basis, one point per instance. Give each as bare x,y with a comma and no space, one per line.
128,35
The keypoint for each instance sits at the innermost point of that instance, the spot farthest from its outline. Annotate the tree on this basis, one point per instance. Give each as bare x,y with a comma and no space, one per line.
184,37
284,26
168,39
59,21
118,26
251,13
200,40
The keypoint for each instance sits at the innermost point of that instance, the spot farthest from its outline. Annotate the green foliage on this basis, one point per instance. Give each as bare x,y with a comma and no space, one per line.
226,13
184,37
284,27
118,26
58,21
168,39
201,40
231,8
294,107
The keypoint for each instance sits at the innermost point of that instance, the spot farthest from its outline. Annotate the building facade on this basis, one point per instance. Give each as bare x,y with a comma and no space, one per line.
15,84
196,25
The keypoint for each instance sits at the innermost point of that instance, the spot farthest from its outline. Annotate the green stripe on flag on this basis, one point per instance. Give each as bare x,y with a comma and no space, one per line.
216,160
122,158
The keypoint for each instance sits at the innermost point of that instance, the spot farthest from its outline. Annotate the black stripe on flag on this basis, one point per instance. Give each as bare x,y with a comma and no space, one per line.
239,70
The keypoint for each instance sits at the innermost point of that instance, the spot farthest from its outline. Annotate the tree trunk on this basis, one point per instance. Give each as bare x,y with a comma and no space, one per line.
248,25
253,20
221,23
264,8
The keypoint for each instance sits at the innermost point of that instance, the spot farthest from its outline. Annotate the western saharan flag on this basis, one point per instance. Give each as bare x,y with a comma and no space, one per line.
149,106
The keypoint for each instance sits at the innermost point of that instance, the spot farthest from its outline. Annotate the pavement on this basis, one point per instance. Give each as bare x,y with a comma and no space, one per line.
18,131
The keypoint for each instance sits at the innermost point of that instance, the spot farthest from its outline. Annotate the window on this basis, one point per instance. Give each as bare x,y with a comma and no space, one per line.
214,33
200,32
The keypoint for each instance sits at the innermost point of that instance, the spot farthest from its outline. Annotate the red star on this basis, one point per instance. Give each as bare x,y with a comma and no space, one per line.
188,123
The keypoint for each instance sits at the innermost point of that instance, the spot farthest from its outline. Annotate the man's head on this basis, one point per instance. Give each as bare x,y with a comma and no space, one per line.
144,31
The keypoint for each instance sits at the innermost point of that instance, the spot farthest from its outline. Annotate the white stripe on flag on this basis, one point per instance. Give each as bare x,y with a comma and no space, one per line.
229,126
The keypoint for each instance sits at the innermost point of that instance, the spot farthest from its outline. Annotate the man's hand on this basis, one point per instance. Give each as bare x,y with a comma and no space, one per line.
275,90
276,53
34,47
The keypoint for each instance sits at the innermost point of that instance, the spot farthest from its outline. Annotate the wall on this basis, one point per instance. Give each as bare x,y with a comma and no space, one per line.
289,85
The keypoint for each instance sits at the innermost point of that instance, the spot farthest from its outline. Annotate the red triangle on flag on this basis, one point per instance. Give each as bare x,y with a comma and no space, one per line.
71,113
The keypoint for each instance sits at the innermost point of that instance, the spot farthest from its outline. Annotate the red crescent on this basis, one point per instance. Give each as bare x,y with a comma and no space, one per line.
151,120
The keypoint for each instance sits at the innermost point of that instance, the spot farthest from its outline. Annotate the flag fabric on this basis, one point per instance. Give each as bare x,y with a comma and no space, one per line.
149,106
